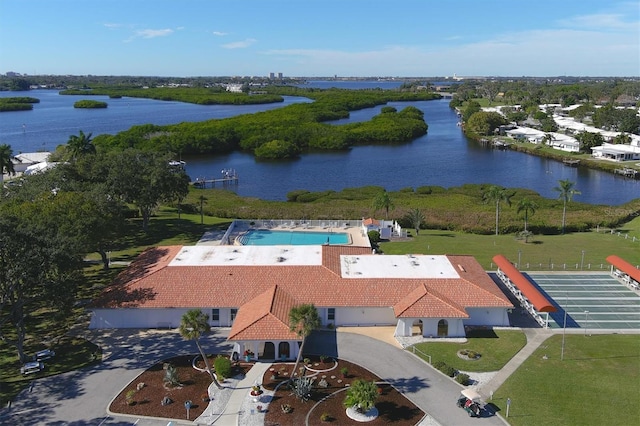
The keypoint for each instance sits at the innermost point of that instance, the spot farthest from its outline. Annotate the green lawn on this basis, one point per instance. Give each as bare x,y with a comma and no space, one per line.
495,347
538,254
598,383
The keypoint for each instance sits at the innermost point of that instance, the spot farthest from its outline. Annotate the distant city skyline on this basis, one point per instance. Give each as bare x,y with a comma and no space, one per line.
345,38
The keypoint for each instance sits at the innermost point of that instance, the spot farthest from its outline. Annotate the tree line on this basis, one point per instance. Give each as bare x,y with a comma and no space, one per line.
284,132
50,221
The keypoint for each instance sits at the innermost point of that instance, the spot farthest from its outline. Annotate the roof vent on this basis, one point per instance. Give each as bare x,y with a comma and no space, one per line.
281,259
461,268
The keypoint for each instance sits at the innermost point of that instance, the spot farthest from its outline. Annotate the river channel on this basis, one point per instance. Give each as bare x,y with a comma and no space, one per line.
443,157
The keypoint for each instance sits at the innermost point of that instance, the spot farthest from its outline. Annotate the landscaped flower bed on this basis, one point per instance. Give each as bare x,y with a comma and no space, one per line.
393,407
147,400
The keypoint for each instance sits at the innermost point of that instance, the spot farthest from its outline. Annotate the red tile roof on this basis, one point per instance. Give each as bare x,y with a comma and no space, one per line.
422,303
371,221
265,317
146,284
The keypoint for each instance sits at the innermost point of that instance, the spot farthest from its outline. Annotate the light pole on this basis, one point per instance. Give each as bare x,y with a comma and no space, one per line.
586,320
582,260
564,328
519,255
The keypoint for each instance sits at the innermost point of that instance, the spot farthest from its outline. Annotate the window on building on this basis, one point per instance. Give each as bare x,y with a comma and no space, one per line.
234,312
215,314
331,314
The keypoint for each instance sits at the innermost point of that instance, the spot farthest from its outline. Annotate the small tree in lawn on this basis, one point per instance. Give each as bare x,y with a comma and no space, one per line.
361,395
303,319
194,324
416,218
566,190
497,194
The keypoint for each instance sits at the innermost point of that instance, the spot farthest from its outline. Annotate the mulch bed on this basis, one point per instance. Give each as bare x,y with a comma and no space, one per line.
146,401
393,407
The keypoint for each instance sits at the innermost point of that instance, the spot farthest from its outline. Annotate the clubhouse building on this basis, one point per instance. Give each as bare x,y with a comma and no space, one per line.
251,289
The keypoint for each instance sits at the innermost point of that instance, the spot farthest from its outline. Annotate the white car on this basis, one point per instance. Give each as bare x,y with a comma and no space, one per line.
32,367
45,354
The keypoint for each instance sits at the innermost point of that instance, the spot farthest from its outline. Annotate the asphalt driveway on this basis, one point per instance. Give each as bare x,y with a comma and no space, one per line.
80,398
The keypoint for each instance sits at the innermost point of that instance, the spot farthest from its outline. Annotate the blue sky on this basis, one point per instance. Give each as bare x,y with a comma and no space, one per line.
321,38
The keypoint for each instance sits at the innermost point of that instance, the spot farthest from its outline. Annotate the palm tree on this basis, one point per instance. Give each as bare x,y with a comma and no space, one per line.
567,191
529,208
383,201
361,395
80,144
416,218
6,165
194,324
303,319
497,194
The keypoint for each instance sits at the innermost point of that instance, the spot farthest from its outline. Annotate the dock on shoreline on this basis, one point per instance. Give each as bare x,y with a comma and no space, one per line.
228,177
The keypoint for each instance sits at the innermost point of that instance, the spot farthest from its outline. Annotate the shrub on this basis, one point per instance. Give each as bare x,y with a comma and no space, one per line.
449,370
438,365
171,375
462,378
301,387
129,397
222,366
325,417
374,236
323,358
361,395
286,408
306,361
344,371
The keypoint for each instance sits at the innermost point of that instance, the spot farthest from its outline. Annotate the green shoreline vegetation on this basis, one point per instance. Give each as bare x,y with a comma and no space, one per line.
90,104
17,103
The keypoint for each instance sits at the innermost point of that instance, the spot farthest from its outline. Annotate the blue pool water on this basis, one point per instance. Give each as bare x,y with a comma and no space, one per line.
266,237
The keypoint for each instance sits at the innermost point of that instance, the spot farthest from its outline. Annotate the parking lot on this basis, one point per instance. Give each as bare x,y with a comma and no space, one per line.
591,300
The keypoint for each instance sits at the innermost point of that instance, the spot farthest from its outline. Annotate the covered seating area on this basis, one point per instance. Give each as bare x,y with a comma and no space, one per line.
529,296
623,270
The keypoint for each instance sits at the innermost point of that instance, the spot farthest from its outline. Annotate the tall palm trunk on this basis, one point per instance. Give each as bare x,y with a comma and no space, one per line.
207,366
295,366
564,214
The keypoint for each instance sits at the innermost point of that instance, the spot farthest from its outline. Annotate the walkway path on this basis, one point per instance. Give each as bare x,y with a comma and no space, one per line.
535,337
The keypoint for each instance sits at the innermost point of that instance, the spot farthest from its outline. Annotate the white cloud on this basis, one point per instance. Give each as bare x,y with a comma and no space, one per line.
112,26
240,44
606,22
219,33
149,33
531,53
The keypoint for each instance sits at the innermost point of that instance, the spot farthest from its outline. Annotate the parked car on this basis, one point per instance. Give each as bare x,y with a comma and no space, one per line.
31,368
471,402
45,354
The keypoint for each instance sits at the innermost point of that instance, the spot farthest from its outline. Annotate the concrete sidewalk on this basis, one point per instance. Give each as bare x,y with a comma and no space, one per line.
233,410
535,337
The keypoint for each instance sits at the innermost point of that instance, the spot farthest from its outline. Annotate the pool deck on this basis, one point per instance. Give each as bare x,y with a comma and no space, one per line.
352,227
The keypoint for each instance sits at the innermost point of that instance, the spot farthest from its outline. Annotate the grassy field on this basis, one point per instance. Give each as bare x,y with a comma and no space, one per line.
542,252
598,383
495,347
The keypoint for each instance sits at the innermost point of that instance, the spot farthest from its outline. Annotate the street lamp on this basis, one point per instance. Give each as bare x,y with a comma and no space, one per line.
582,260
564,328
586,320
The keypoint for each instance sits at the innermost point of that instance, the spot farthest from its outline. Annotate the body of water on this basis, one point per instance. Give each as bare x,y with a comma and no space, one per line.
54,119
443,157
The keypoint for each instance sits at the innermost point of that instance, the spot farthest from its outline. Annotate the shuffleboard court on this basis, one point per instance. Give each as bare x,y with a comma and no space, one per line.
591,300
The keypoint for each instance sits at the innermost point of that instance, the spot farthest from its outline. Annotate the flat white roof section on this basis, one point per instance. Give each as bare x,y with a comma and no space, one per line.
248,256
397,266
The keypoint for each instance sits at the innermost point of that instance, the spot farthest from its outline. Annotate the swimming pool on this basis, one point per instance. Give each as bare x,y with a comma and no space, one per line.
267,237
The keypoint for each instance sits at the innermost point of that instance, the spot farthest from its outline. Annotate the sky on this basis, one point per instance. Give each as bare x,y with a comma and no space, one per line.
321,38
